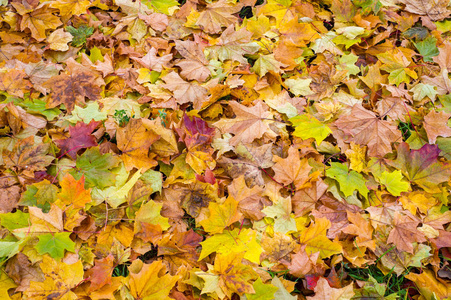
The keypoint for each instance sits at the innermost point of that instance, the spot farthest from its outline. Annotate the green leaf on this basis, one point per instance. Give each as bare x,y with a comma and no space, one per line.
15,220
368,6
347,62
444,144
9,249
87,114
80,34
349,181
394,182
310,127
154,179
40,194
117,194
163,6
417,32
428,48
96,168
38,106
443,26
342,40
398,76
262,291
54,244
422,90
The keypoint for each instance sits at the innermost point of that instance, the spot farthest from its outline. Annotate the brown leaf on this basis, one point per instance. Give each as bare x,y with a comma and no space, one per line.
292,169
216,15
249,124
405,232
28,157
153,62
13,82
305,199
251,201
134,141
365,128
185,91
72,87
434,9
436,124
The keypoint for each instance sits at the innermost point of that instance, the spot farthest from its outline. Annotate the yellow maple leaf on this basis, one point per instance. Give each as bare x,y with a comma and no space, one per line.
150,281
221,216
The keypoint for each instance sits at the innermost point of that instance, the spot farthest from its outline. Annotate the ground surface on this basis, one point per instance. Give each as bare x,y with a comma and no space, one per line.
225,150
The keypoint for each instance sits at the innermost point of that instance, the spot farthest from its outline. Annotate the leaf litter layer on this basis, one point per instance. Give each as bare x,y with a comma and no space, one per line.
225,150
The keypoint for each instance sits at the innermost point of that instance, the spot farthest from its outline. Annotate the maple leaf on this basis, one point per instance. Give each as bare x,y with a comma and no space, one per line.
153,62
71,7
436,10
422,166
221,216
80,138
249,123
405,232
252,160
185,91
37,20
100,274
349,181
134,141
71,88
197,136
302,264
429,285
397,64
180,248
305,199
307,126
314,237
150,213
292,169
14,83
394,183
194,66
73,192
366,128
323,291
435,124
216,15
58,40
233,241
262,291
233,275
54,244
60,279
267,63
95,168
28,157
283,11
234,44
250,200
281,213
150,281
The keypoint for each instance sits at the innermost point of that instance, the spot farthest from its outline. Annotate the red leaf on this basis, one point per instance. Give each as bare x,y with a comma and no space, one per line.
80,138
